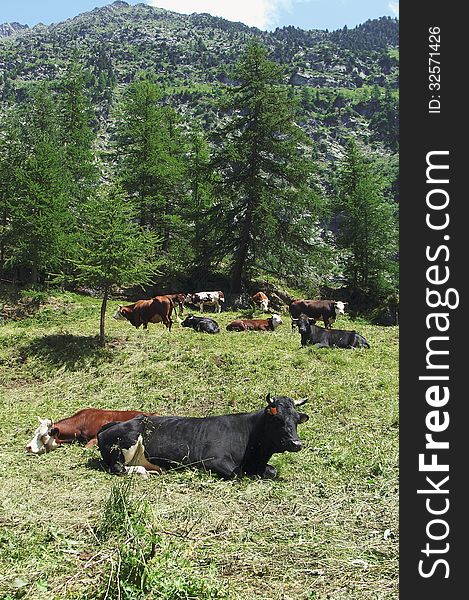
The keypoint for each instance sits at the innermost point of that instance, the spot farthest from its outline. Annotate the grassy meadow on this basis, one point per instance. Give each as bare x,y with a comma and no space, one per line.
326,528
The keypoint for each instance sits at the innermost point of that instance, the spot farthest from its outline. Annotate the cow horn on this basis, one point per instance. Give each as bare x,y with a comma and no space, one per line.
269,399
301,402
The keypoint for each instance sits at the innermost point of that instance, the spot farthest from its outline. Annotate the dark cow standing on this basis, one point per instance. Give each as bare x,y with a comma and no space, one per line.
229,445
201,324
83,426
142,312
255,324
325,338
327,310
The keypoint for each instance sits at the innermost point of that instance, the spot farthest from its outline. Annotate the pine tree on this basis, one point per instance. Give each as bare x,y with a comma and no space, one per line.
152,160
40,219
201,195
10,159
77,135
369,228
264,174
113,249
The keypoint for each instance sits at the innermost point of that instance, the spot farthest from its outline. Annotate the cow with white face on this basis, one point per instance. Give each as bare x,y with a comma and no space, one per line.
201,299
42,440
339,308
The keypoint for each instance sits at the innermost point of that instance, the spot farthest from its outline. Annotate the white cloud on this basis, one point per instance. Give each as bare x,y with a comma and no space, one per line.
255,13
394,7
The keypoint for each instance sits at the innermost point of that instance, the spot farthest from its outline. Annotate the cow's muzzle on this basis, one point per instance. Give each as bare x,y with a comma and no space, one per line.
295,446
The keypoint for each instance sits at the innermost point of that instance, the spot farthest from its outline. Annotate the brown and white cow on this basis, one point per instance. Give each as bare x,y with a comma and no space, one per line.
269,324
261,301
83,426
142,312
327,310
201,299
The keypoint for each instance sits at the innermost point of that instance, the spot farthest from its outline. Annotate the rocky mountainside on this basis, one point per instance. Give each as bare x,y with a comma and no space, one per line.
344,79
7,29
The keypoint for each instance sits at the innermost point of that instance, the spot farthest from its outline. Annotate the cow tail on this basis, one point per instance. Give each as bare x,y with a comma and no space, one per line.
173,309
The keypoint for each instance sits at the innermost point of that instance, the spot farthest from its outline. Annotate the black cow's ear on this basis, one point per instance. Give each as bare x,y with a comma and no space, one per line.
303,417
269,399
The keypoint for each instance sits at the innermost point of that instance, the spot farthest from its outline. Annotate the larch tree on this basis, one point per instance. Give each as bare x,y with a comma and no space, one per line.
152,160
369,226
114,250
263,192
76,132
40,219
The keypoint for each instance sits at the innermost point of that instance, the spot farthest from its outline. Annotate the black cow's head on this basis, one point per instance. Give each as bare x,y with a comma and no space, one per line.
304,323
189,321
282,419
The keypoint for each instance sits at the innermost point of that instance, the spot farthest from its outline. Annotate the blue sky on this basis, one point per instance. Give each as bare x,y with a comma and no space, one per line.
266,14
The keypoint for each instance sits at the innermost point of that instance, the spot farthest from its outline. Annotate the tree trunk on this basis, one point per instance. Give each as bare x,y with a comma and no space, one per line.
34,274
103,315
241,256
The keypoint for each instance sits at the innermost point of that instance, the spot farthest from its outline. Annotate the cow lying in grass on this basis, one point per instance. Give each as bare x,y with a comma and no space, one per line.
201,324
255,324
229,445
326,338
83,426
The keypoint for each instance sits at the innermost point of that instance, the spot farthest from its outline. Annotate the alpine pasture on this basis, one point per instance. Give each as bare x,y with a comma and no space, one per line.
327,527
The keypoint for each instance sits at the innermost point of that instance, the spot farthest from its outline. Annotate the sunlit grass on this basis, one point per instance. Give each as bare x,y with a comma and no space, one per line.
326,528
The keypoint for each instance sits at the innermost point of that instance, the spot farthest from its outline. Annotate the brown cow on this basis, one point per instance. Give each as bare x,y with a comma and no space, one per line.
327,310
178,299
155,310
261,301
83,426
255,324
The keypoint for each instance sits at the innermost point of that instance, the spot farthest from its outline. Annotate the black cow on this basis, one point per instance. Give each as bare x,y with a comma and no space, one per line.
326,338
229,445
201,324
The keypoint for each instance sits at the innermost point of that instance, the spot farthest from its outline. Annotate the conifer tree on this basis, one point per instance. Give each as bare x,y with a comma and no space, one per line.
369,227
152,160
113,249
77,135
263,192
40,219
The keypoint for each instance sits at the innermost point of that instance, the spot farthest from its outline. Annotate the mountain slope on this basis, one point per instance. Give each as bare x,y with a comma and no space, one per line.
339,76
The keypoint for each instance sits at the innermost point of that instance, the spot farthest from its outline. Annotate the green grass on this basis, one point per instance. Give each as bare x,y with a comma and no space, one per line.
326,528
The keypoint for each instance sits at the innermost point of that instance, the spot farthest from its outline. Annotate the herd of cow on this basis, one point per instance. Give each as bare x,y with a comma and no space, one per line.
228,445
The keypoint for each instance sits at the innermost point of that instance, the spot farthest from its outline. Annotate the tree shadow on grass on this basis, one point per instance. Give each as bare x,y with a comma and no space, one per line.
72,351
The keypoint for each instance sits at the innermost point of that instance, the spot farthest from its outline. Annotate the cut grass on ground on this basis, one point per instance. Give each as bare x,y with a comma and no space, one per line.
326,528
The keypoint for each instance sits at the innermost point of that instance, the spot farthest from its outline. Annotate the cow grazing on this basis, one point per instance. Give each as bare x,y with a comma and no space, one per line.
261,301
255,324
142,312
326,338
83,426
201,324
229,445
201,299
327,310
